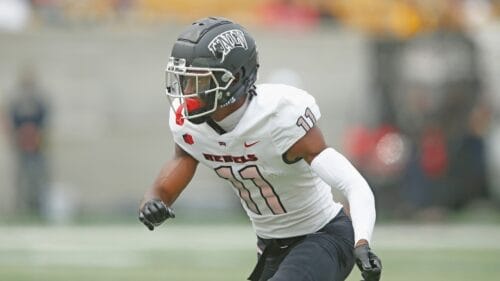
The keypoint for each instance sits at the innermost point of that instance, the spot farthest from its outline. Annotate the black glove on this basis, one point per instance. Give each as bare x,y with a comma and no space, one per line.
368,263
154,212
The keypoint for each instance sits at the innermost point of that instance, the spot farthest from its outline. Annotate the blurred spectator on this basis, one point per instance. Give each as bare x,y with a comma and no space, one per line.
430,93
28,112
449,156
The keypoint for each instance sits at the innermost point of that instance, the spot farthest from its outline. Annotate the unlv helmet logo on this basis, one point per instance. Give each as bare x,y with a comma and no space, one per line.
225,42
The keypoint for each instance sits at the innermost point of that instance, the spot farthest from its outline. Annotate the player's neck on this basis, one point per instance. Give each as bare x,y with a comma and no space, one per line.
223,112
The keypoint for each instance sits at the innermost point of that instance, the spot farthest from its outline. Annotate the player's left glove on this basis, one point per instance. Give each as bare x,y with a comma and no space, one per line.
154,212
368,263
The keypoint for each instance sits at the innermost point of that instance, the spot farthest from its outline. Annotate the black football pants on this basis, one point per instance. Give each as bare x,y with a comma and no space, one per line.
326,255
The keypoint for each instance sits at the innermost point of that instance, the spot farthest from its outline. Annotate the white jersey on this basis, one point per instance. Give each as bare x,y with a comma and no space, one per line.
282,199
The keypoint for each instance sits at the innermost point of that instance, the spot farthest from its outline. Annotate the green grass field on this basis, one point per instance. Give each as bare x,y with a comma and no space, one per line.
227,252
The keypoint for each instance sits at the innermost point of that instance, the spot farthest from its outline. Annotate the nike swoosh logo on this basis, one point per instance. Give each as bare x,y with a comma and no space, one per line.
250,144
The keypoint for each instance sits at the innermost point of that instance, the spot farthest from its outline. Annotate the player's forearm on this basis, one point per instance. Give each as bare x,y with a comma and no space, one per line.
338,172
172,179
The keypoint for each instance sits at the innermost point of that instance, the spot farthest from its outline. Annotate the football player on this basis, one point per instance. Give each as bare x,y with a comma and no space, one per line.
265,141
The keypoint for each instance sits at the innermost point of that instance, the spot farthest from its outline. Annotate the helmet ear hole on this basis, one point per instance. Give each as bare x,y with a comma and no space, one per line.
243,71
237,77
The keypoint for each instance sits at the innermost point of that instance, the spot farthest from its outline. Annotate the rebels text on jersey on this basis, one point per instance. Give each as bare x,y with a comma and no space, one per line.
282,199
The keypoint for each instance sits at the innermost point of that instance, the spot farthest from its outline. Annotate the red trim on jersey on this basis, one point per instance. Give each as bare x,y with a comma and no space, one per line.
188,139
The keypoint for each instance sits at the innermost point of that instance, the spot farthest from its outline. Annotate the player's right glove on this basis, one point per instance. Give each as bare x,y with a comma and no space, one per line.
368,263
154,212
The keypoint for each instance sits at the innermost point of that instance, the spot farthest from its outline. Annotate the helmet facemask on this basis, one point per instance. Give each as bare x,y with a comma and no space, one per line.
195,92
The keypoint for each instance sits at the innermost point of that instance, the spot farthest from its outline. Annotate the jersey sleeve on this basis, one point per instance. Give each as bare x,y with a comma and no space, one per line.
296,113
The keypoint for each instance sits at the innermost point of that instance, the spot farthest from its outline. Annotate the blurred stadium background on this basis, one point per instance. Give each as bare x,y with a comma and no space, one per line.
409,91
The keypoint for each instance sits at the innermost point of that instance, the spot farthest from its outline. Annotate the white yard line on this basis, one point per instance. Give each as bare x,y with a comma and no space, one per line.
216,238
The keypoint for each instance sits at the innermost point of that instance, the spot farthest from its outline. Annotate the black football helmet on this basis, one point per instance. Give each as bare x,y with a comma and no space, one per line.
213,63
